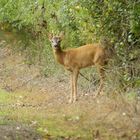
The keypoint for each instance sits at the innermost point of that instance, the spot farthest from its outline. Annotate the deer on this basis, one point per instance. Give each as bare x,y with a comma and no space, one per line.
74,59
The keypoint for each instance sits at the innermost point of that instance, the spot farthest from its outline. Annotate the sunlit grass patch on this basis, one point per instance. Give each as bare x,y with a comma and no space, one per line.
58,127
5,97
53,124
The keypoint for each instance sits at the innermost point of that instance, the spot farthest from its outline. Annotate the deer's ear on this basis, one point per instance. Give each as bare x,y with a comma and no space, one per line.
50,35
61,35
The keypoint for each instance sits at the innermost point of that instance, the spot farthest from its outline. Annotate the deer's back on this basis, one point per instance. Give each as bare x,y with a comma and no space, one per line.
84,56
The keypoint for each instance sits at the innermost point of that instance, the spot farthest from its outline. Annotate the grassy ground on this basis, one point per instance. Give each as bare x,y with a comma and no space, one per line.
36,107
102,118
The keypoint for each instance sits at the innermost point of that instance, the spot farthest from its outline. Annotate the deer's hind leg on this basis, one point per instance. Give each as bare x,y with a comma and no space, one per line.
99,63
101,71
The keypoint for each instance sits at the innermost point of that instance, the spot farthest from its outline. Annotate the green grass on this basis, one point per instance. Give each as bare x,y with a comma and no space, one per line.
55,125
75,123
5,97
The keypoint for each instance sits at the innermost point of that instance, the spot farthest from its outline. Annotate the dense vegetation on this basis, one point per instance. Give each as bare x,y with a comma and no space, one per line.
83,21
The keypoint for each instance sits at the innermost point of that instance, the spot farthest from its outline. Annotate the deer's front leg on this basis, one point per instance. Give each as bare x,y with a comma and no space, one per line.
75,77
72,89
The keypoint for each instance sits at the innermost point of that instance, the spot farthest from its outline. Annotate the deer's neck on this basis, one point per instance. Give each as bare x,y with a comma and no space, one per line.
59,56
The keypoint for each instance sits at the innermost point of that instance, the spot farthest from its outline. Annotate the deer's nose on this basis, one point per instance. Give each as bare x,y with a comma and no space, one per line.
54,44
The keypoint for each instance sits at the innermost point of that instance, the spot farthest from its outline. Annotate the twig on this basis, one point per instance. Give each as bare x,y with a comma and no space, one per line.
85,77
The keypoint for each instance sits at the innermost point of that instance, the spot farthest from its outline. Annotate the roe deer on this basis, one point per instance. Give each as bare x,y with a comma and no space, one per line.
77,58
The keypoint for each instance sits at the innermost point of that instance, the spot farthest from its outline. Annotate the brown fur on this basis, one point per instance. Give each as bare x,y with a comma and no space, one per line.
78,58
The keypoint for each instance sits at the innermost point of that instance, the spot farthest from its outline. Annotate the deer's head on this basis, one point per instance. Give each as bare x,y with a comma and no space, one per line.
55,40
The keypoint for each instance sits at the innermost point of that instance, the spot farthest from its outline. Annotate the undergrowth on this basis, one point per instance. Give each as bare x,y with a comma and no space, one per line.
38,51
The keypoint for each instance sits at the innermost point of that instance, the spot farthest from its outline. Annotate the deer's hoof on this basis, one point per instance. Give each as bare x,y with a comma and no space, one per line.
70,101
95,96
75,99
